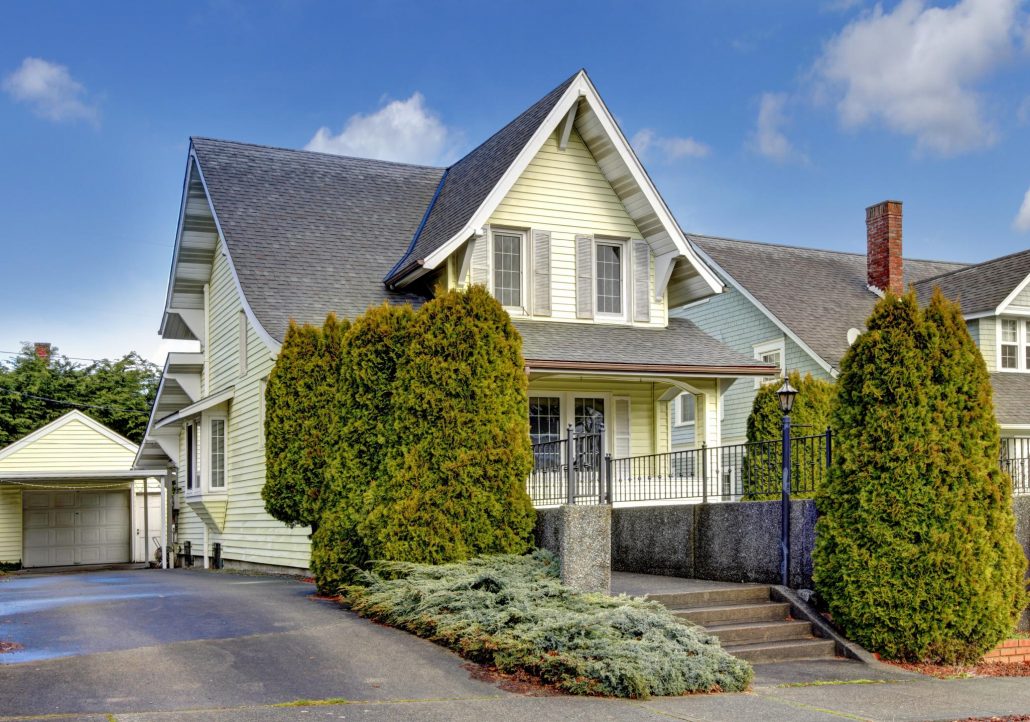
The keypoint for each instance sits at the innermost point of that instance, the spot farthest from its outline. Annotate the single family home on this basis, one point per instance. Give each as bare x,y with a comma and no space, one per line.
554,214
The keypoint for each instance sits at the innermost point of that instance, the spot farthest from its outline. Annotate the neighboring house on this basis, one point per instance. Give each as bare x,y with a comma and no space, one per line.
554,214
69,495
800,308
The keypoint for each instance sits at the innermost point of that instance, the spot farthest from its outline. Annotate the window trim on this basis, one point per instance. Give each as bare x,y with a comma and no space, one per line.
1022,345
678,411
766,347
209,423
524,268
626,256
192,458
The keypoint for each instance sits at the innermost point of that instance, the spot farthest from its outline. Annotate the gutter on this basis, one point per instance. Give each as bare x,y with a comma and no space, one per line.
637,368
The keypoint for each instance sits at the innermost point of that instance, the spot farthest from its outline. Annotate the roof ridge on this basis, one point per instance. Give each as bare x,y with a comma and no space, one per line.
824,250
302,151
517,117
974,266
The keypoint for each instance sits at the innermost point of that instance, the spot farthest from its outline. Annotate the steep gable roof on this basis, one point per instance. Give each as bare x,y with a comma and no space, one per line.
817,295
73,437
982,288
468,182
309,233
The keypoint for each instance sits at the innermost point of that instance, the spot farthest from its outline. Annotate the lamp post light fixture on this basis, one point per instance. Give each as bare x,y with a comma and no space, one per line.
786,394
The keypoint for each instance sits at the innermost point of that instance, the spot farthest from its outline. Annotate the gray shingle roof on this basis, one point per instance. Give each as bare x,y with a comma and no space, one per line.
470,180
1011,397
981,287
310,233
818,294
681,344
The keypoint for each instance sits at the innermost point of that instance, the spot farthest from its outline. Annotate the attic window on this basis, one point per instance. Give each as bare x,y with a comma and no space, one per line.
609,278
508,265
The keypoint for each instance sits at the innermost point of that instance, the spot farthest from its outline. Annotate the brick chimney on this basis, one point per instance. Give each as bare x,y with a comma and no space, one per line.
883,247
42,350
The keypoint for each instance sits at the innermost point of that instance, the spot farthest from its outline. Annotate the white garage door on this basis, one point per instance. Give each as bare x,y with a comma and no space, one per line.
75,527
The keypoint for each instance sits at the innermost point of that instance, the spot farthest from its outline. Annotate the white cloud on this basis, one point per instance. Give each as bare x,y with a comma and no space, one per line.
768,138
51,91
916,69
672,147
1022,221
841,6
402,130
1023,111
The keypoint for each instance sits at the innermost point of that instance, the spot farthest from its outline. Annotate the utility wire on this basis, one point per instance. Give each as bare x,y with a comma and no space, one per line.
61,355
74,403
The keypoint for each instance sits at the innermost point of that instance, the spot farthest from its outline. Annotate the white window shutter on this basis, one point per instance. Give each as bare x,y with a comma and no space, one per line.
641,281
541,273
622,428
584,276
480,271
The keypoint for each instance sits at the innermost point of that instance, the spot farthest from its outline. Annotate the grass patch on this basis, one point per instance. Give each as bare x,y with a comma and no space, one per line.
313,702
512,612
836,682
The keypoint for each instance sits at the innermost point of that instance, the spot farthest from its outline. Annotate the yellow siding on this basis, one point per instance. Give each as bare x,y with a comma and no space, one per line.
564,192
10,524
250,534
73,446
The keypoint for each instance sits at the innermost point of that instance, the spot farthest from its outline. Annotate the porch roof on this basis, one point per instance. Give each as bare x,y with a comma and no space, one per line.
1011,398
681,348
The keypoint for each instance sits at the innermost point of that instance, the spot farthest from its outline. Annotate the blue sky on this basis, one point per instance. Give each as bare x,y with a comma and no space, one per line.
769,121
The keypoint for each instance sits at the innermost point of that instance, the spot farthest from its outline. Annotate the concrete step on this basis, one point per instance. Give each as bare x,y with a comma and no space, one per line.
764,652
735,613
756,632
741,594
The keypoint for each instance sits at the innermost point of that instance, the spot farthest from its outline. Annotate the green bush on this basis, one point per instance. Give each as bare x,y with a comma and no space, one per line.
301,421
514,613
810,416
374,347
915,552
454,485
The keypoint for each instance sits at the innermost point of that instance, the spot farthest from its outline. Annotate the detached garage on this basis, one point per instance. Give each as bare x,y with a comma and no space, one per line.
68,496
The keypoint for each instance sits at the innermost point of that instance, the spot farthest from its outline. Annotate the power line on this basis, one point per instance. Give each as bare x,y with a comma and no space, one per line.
74,403
61,355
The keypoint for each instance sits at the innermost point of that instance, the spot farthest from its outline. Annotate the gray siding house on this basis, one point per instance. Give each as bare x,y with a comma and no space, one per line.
800,308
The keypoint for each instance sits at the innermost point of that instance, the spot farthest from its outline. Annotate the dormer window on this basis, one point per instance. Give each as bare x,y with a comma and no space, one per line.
509,276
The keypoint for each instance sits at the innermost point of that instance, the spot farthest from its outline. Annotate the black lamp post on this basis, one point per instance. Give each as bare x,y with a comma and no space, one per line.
786,394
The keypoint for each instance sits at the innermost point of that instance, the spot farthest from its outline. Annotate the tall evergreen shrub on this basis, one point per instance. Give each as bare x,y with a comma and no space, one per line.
455,476
301,421
811,415
374,347
915,551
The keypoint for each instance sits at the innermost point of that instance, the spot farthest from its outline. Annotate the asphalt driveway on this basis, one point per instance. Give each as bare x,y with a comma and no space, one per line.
194,645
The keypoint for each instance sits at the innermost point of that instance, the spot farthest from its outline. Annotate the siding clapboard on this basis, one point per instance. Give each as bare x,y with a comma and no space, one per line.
72,447
10,524
564,192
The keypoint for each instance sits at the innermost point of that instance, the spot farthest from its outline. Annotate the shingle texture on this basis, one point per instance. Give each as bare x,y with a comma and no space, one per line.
682,344
818,294
1011,397
982,287
310,233
470,180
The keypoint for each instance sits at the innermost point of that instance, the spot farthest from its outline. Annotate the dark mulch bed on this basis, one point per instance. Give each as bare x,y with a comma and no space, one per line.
984,669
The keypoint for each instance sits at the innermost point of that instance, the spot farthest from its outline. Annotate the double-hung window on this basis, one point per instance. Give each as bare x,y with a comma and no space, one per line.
770,352
216,454
1013,344
508,261
610,268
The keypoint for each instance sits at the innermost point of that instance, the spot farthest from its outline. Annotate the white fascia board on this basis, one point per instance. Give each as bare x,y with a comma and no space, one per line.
178,239
73,415
581,87
99,475
211,401
769,314
266,337
1012,296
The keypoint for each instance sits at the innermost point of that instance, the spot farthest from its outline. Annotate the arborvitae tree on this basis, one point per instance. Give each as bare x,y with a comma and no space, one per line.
374,347
915,546
301,421
810,416
455,476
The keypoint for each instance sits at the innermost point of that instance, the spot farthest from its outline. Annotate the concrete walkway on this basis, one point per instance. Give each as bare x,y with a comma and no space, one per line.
204,646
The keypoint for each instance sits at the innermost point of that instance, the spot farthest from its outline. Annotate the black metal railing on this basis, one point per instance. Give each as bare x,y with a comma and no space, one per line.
749,471
1015,460
552,482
